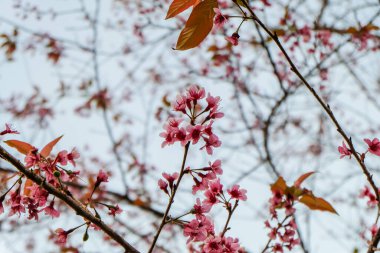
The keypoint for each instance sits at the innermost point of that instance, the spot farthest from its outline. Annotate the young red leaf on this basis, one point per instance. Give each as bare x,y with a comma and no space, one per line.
179,6
198,26
279,185
302,178
21,146
28,184
315,203
45,152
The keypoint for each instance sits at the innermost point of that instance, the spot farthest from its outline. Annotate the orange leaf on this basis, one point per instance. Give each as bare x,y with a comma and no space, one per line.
21,146
45,152
279,185
302,178
28,184
179,6
315,203
198,26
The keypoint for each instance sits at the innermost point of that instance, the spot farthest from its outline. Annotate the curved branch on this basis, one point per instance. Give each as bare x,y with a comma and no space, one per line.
77,206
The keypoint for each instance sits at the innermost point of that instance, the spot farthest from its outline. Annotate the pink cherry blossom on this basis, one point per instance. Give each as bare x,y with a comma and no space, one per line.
213,245
16,204
163,185
194,133
50,210
72,156
344,151
198,229
196,93
212,102
199,209
62,158
180,104
113,210
219,19
211,142
101,178
373,146
216,187
233,39
32,158
61,236
366,193
216,167
169,136
8,130
236,193
210,200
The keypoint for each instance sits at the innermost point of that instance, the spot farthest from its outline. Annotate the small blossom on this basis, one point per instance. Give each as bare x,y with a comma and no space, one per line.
8,130
344,151
194,133
199,209
163,185
373,146
216,167
211,142
50,210
216,187
113,210
62,158
72,156
180,104
196,93
233,39
15,203
102,177
32,158
170,178
210,200
213,245
237,193
219,19
61,236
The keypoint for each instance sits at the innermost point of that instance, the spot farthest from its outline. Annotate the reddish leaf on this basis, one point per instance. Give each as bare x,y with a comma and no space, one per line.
45,152
28,184
315,203
198,26
302,178
21,146
279,185
179,6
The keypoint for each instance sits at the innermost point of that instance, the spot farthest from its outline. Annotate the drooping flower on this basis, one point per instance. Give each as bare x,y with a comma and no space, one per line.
219,19
233,39
50,210
61,236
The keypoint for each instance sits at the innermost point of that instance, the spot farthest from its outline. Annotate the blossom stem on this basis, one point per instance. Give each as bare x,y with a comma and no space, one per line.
230,212
171,199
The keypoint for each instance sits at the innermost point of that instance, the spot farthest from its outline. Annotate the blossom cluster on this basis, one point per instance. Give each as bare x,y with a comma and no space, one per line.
26,196
201,120
200,230
282,232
